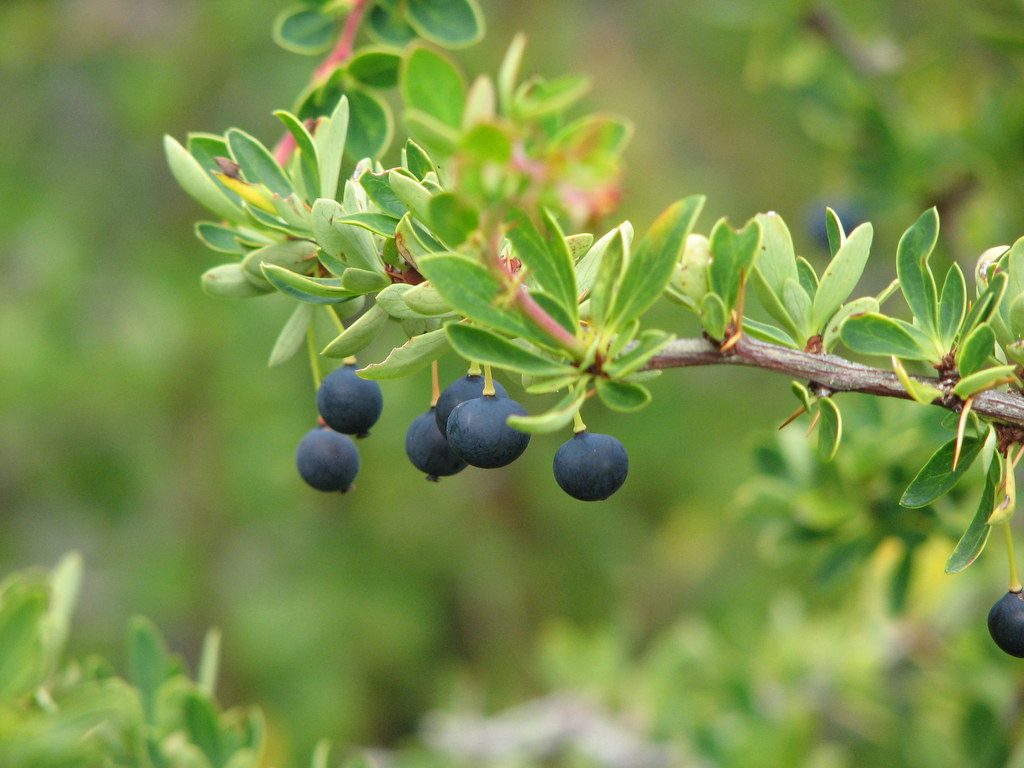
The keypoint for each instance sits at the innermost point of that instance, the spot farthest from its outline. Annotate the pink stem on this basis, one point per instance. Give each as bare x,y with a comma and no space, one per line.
341,53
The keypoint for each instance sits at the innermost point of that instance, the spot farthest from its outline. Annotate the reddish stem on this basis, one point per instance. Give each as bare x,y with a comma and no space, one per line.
530,307
341,53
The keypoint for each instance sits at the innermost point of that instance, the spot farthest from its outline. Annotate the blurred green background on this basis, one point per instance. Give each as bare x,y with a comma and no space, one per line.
139,424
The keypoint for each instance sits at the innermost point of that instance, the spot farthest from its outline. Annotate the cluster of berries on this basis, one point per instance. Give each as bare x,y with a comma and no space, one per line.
465,427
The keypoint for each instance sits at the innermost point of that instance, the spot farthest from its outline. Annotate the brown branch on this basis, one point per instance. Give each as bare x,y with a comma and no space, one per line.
339,55
832,372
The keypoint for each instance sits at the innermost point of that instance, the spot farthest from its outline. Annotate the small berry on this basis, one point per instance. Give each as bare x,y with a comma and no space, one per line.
478,431
348,403
428,450
459,391
327,460
590,466
1006,623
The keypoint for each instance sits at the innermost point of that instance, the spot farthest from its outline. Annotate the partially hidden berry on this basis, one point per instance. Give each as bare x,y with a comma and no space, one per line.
428,450
459,391
590,466
1006,623
348,403
327,460
478,431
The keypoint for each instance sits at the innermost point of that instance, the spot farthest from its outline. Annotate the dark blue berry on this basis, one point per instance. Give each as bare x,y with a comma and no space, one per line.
327,460
479,433
591,466
348,403
1006,623
429,451
459,391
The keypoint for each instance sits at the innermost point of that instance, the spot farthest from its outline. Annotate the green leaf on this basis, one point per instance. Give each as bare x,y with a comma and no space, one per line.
830,428
986,305
198,183
802,394
772,302
257,164
314,290
776,262
370,126
296,255
952,305
330,146
433,85
358,335
920,391
363,281
417,161
440,138
413,195
292,335
863,305
309,161
834,231
984,379
452,218
411,356
229,281
375,67
204,727
549,262
937,477
648,271
378,223
875,334
807,276
149,663
475,292
733,253
449,23
622,396
555,418
487,348
508,72
22,608
389,27
974,538
798,306
302,30
613,252
1015,317
349,245
766,332
392,301
975,350
538,98
209,661
424,299
379,191
713,316
218,238
579,244
649,344
841,276
915,276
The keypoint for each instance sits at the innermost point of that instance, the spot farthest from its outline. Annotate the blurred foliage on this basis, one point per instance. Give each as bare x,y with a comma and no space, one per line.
138,426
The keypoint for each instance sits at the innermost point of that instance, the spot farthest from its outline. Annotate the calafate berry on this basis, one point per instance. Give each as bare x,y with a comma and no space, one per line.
1006,623
590,466
327,460
478,431
428,450
468,387
348,403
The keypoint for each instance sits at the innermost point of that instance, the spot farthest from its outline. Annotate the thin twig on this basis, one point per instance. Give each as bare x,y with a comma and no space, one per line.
836,373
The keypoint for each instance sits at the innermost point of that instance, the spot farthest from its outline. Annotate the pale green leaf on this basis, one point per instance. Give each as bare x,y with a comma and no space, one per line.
410,357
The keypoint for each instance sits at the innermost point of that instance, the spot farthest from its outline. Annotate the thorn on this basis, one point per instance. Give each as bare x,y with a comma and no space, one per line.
792,417
814,423
960,429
